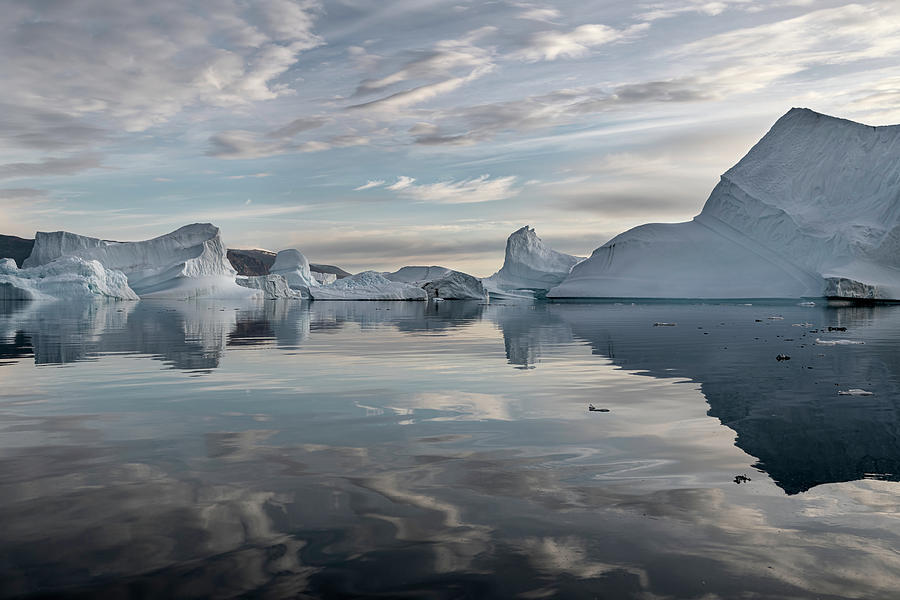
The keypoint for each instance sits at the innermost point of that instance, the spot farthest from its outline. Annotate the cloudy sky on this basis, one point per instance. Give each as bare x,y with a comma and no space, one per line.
373,134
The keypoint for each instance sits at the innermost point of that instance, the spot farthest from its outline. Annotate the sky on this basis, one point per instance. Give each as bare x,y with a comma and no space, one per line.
382,133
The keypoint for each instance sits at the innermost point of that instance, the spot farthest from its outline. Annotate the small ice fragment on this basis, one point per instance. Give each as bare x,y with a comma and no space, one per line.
776,318
807,304
855,392
801,324
838,342
665,324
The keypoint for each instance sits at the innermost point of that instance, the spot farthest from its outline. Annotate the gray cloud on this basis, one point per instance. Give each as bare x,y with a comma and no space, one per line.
51,166
485,121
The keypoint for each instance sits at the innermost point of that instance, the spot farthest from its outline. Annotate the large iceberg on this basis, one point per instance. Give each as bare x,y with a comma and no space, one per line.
813,209
187,263
529,266
68,277
441,282
368,285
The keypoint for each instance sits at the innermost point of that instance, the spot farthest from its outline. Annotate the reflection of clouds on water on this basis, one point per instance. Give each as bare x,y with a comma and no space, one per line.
454,406
468,478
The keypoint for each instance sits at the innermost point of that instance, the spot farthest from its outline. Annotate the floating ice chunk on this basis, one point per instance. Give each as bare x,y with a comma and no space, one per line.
665,324
855,392
838,342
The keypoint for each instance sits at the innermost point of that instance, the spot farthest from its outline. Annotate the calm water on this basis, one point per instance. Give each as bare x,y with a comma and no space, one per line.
400,450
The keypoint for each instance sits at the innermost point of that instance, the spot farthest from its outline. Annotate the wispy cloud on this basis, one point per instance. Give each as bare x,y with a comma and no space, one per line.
372,183
50,166
253,176
466,191
552,45
402,183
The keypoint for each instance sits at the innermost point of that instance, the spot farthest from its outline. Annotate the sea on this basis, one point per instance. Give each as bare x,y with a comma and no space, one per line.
293,449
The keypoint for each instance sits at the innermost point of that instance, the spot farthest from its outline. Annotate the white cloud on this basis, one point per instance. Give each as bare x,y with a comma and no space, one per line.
551,45
539,14
750,58
466,191
254,175
402,183
372,183
139,64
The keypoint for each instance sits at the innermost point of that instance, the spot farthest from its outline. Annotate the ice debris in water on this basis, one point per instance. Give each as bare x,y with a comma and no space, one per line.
838,342
855,392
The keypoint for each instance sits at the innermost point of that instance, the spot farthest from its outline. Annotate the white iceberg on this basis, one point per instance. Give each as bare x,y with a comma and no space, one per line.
368,285
187,263
272,287
813,209
67,277
323,278
293,266
441,283
528,266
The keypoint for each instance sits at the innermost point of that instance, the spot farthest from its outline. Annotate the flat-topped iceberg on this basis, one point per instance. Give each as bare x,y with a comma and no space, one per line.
441,282
187,263
368,285
528,266
813,209
68,277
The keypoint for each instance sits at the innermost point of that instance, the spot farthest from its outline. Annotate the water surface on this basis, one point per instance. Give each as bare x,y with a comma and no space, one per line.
367,449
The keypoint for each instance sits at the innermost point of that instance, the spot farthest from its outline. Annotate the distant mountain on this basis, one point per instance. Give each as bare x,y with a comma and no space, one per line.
329,269
258,262
251,262
15,248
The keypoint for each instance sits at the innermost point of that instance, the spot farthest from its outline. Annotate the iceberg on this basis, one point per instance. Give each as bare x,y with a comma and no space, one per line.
368,285
812,210
187,263
272,287
441,282
68,277
323,278
529,266
293,266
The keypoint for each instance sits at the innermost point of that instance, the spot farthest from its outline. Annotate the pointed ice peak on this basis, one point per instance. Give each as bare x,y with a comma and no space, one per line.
530,264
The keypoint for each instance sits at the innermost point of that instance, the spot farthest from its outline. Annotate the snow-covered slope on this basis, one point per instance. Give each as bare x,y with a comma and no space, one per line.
441,282
528,266
368,285
68,277
813,209
293,266
187,263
